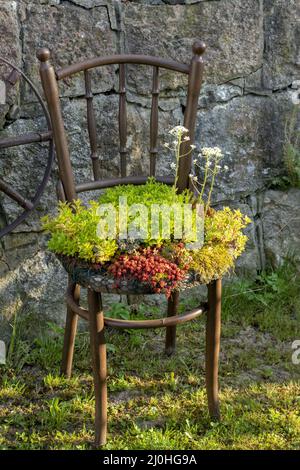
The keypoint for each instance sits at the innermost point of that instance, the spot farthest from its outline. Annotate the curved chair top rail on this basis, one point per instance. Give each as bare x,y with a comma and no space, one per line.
122,59
110,182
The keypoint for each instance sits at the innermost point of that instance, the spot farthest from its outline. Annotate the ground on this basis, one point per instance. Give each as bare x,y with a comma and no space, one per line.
159,402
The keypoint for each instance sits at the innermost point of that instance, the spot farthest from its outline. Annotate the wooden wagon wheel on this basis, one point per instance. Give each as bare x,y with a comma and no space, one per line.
27,204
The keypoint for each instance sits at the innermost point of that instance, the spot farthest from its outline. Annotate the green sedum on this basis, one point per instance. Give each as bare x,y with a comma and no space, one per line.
74,233
224,241
148,194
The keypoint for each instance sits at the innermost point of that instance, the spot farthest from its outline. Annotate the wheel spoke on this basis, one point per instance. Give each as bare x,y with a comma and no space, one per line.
13,194
25,139
13,78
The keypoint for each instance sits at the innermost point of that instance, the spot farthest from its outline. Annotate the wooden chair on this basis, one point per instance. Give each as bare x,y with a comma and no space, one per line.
69,191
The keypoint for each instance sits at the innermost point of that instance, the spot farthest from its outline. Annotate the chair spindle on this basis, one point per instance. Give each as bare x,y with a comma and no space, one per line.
122,118
154,120
91,121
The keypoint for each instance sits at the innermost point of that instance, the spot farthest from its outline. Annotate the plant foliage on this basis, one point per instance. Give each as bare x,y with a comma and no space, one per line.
161,263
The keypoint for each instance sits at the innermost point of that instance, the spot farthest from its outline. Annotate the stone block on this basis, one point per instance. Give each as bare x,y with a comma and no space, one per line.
73,34
250,132
233,31
281,225
282,45
10,49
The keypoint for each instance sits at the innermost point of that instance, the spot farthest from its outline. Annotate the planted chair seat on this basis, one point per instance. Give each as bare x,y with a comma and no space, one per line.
97,281
102,281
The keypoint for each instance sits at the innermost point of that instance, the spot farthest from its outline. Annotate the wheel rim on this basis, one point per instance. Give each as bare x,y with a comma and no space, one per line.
28,204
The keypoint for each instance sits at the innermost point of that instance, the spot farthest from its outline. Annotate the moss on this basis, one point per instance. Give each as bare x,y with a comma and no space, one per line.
74,229
74,233
212,261
224,242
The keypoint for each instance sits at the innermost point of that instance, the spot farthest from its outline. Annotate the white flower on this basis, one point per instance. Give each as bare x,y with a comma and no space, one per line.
193,146
218,167
178,130
195,178
214,153
186,138
195,161
226,168
173,166
166,145
208,163
191,175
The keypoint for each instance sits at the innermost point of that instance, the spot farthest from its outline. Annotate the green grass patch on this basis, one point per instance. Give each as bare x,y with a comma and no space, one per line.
159,402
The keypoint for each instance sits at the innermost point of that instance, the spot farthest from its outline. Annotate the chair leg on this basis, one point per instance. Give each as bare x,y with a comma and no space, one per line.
69,337
98,350
170,345
213,333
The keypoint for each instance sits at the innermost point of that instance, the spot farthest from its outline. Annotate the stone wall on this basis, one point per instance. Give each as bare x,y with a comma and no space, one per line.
251,84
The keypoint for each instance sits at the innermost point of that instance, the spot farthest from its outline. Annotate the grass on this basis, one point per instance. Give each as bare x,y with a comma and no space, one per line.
156,402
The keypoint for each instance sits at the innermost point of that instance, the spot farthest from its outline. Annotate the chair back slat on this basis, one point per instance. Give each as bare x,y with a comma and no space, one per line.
122,119
50,87
91,122
190,115
154,120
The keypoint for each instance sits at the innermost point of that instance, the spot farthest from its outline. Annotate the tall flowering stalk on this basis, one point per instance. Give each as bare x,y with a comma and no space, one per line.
212,157
209,158
181,135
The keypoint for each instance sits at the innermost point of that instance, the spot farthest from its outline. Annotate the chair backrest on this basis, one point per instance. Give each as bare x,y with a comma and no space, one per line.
50,78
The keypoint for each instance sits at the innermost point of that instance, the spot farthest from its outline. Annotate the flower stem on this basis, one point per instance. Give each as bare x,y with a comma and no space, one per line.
215,171
177,154
204,179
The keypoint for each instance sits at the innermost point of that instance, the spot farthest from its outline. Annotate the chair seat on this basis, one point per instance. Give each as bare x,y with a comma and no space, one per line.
101,280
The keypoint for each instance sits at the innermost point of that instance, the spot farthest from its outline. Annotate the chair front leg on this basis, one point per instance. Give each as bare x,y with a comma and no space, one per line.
213,333
173,303
69,336
98,350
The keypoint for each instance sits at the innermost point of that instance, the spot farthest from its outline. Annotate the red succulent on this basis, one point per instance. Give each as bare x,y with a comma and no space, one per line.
146,265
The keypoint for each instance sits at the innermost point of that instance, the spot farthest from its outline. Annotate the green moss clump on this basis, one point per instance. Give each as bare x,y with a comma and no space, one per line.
74,233
74,229
149,194
225,226
211,262
224,241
